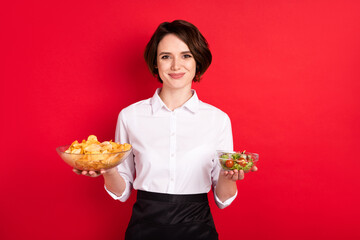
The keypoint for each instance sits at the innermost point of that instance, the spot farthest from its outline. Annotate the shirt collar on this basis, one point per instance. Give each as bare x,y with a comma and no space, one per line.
192,104
156,102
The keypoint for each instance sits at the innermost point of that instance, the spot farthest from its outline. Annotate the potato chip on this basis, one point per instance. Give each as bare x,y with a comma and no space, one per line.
76,150
92,148
92,139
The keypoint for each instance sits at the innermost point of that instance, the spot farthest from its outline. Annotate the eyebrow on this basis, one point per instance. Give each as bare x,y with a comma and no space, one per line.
162,53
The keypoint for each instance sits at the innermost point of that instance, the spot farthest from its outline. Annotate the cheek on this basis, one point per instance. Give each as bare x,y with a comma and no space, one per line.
163,66
191,66
162,69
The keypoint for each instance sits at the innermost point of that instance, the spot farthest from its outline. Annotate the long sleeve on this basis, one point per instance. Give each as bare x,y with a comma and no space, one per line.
225,143
126,168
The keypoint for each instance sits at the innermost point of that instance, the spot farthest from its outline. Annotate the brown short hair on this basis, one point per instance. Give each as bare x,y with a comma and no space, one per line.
188,33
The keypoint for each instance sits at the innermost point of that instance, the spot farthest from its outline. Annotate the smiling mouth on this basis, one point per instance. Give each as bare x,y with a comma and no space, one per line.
176,75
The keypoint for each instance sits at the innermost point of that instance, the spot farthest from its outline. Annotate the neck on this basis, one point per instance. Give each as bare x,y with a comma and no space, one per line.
175,98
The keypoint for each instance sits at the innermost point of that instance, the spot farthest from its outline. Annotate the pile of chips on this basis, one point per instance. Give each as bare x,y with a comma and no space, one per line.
93,146
91,154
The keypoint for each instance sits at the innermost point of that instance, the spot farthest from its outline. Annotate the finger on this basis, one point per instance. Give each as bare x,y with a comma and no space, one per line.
76,171
232,175
84,173
92,173
235,176
241,175
254,168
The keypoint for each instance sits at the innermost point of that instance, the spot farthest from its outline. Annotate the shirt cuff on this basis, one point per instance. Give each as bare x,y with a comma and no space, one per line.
124,196
226,203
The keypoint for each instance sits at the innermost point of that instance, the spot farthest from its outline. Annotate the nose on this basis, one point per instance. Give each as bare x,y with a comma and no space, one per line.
175,64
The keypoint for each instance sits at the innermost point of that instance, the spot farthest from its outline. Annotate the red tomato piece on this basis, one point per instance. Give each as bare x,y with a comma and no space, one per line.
229,163
243,163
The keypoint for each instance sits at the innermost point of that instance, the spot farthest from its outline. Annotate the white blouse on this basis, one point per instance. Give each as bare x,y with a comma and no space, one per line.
173,151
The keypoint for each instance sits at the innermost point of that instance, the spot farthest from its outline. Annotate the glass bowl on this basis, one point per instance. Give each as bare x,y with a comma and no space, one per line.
94,162
236,160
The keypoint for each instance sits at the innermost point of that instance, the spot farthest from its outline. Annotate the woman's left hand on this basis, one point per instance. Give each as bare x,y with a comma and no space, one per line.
237,174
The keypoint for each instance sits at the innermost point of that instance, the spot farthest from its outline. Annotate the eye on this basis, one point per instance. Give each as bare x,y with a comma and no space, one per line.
165,57
187,56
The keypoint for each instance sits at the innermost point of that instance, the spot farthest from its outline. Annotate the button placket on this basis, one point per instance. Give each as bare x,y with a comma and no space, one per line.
172,150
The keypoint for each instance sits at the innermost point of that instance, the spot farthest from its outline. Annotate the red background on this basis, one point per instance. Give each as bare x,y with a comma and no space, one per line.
286,72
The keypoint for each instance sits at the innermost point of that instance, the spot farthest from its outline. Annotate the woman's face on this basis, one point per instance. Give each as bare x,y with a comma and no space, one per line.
175,63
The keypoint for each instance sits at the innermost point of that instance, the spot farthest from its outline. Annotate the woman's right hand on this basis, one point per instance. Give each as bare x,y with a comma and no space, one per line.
93,173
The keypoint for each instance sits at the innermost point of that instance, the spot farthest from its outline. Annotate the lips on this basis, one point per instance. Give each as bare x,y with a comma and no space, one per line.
176,75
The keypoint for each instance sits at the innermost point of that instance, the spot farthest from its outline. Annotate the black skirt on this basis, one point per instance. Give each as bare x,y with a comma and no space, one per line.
166,216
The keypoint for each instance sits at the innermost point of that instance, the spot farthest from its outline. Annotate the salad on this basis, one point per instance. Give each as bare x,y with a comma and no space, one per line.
237,160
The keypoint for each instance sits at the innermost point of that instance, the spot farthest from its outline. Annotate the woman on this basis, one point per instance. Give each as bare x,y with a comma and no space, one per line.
174,136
